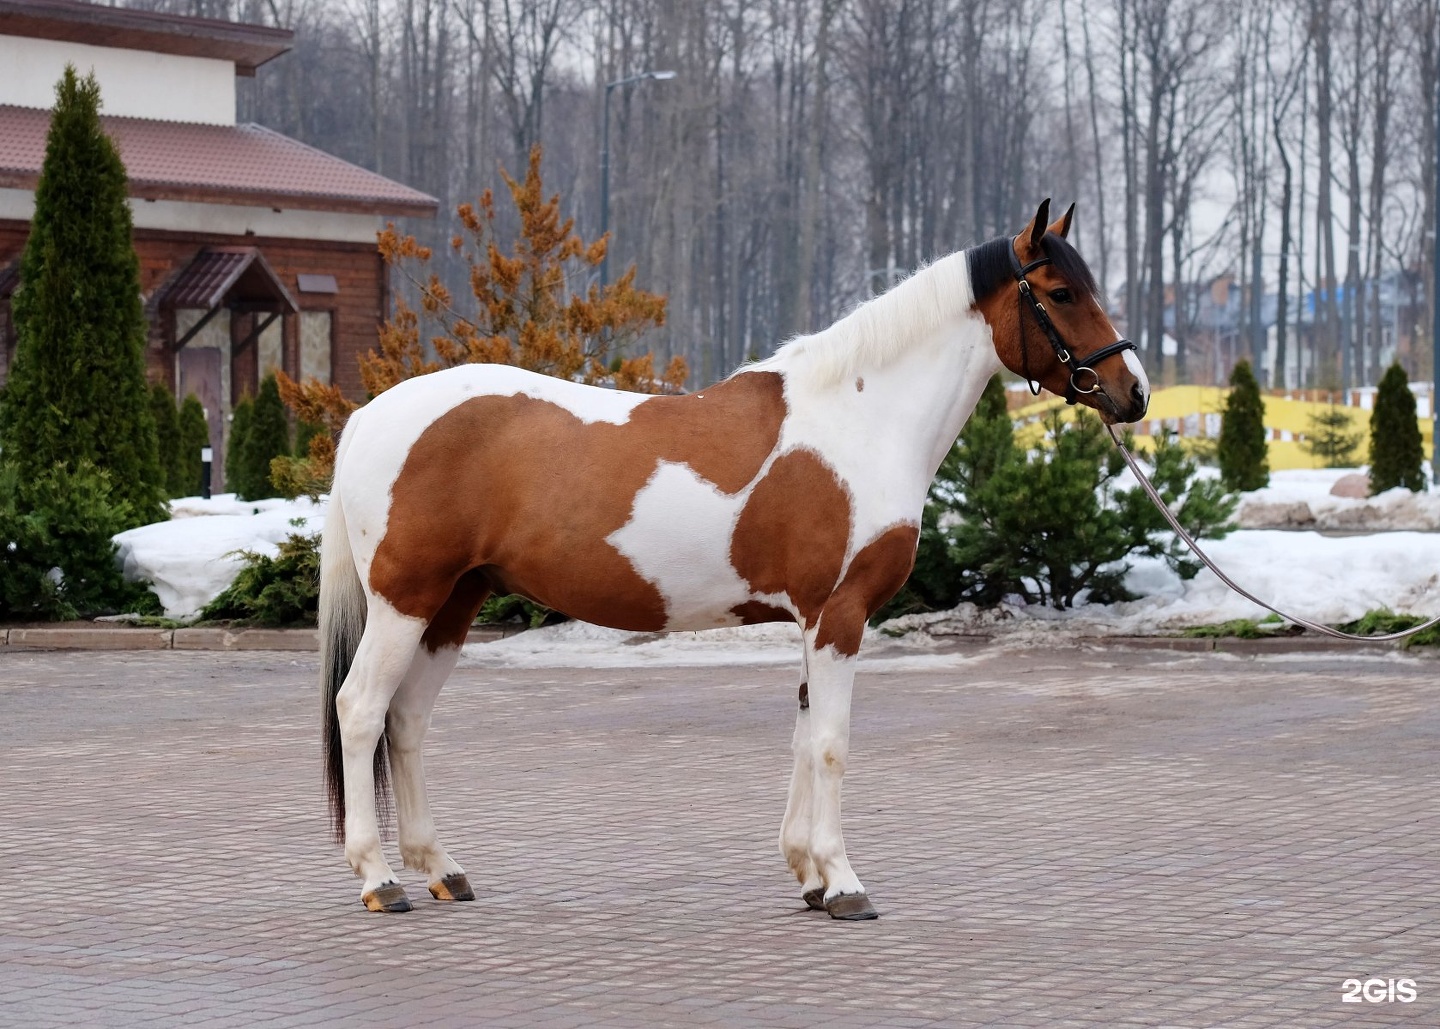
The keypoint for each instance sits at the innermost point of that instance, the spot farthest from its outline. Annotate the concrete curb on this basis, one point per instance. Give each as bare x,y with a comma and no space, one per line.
114,638
308,641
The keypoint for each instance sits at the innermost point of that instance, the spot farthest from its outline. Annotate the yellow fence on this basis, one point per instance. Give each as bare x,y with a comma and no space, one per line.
1194,411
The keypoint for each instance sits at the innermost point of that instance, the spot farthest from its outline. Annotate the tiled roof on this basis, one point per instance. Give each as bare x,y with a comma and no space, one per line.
248,46
217,164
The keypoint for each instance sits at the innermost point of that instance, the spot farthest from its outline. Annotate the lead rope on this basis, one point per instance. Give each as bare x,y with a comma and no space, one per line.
1151,492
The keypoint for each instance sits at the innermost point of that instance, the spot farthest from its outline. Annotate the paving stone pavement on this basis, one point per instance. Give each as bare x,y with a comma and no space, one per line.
1073,837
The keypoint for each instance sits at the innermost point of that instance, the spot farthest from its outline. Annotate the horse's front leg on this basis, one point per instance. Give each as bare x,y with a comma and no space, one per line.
831,676
407,724
795,829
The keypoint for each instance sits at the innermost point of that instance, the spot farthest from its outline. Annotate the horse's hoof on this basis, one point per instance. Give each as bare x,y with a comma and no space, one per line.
390,897
453,887
814,899
851,907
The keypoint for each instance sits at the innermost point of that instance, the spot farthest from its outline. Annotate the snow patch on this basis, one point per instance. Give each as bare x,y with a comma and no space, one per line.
192,558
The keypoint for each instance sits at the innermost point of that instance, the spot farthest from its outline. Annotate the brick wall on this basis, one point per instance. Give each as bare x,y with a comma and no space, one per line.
356,308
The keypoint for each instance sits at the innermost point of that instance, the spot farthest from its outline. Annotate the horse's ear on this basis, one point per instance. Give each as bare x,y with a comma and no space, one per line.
1035,231
1061,227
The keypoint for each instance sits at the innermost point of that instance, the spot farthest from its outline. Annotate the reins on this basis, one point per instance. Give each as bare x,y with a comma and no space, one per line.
1155,497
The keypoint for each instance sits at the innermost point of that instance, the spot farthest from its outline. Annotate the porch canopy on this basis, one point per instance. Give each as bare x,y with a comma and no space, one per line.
237,279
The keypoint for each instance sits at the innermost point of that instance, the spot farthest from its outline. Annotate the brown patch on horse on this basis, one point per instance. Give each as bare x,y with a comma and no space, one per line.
874,576
754,612
792,535
451,624
460,510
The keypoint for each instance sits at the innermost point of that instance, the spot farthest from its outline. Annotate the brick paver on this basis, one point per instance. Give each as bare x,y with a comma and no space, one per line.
1074,837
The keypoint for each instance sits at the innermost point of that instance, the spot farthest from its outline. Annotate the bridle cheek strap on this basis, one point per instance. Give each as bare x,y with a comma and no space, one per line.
1076,366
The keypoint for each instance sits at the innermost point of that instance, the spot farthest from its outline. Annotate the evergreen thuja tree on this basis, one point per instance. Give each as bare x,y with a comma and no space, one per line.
194,436
167,434
1243,452
268,438
77,389
237,472
1397,456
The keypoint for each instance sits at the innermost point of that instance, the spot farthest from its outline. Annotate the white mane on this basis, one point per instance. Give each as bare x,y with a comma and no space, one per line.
883,328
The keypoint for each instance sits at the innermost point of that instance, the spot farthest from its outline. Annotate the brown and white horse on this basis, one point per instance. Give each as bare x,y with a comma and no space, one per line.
791,491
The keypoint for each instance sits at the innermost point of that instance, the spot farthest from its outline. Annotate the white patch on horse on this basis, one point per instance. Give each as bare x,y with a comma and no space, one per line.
1138,370
678,538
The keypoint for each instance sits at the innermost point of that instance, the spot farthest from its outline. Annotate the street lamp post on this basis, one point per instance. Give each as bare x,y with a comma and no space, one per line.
659,76
1435,305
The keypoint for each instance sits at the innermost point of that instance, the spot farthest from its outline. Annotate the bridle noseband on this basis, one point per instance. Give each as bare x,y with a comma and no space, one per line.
1064,353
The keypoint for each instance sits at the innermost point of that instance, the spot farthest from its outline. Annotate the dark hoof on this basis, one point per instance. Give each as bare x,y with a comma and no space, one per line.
453,887
390,897
814,899
851,907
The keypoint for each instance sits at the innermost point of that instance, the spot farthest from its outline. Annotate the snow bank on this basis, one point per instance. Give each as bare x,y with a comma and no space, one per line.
1323,578
1302,500
193,557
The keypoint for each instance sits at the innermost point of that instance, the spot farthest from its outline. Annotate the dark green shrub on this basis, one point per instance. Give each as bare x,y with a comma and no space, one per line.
59,560
275,591
194,436
77,388
513,607
268,438
1049,525
237,471
1243,452
1397,456
167,434
1329,437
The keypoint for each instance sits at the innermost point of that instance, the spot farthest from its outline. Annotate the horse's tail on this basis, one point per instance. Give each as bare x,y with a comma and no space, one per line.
342,622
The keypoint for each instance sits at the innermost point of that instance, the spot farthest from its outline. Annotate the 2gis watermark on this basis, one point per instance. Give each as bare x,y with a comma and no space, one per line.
1379,991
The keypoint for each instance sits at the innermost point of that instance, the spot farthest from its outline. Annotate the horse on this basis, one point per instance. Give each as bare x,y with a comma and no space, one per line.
790,491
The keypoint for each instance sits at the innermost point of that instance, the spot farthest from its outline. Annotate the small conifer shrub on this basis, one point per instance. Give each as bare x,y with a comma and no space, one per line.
167,434
1243,453
1397,456
1332,437
268,437
237,479
194,437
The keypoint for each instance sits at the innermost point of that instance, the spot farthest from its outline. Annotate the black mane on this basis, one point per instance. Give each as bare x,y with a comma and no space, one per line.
991,266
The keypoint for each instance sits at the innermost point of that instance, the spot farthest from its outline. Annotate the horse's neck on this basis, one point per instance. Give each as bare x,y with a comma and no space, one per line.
911,397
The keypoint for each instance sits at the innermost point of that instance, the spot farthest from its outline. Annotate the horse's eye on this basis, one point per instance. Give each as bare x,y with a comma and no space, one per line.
1060,296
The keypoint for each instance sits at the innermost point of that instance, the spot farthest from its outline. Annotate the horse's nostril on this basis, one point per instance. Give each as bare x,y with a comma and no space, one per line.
1139,401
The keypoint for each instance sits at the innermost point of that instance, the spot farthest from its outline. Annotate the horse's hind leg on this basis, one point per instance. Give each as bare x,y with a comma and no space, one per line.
381,663
420,847
795,829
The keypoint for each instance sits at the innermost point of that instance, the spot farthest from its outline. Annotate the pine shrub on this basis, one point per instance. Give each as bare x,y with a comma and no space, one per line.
1049,526
55,533
268,438
237,470
274,591
1397,456
1332,437
167,434
194,436
77,388
1243,453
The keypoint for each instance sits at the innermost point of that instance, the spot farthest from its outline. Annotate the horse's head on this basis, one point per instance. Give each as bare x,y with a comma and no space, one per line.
1048,321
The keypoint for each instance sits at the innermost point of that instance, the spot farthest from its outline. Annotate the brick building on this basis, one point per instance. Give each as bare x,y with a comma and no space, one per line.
256,251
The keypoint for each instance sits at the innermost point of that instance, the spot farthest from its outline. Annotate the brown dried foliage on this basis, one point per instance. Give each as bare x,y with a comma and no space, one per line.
524,314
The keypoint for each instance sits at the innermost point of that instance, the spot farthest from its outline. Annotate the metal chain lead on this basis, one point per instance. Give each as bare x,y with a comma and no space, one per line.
1155,497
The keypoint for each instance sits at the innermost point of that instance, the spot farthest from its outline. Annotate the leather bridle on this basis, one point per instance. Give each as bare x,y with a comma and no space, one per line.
1067,356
